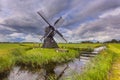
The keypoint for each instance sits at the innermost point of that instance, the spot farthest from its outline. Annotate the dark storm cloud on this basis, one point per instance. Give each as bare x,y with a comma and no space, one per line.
24,27
24,13
91,11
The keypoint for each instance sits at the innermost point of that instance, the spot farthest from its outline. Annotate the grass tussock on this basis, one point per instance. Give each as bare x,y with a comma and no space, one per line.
44,56
6,62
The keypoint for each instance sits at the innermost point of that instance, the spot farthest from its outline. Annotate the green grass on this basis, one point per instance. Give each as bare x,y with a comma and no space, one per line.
12,54
9,54
6,62
98,69
115,48
40,56
77,45
44,56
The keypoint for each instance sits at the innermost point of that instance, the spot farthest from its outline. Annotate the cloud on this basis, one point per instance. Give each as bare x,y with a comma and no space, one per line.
31,38
102,28
111,13
6,28
84,19
90,11
3,38
25,13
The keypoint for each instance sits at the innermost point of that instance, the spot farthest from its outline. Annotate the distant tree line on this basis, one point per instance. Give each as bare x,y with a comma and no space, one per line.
113,41
90,42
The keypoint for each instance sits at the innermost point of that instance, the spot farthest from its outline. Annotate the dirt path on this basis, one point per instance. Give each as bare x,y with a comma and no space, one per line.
115,71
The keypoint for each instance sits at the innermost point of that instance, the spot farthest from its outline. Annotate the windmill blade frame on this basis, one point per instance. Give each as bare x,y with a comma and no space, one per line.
58,22
57,32
44,19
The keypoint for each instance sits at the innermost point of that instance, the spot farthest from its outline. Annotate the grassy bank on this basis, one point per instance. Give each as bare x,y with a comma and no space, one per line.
9,54
39,56
6,62
97,69
103,65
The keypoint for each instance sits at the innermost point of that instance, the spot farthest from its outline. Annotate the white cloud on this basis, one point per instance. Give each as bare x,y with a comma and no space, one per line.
6,28
16,35
111,13
31,38
3,38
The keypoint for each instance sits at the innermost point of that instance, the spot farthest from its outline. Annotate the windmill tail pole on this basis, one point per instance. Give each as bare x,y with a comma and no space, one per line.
64,39
61,35
57,21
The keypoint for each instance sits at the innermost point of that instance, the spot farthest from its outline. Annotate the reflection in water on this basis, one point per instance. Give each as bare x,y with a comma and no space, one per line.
61,71
77,65
18,74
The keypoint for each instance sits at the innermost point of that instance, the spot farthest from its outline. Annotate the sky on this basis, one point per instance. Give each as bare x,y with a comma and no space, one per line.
83,19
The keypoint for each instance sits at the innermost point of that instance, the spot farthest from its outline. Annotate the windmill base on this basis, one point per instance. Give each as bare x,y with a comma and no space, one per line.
49,43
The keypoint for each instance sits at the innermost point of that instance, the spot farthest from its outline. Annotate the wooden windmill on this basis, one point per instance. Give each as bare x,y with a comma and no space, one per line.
50,32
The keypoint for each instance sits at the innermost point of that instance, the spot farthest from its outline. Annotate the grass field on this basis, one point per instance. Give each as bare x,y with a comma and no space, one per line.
12,54
104,66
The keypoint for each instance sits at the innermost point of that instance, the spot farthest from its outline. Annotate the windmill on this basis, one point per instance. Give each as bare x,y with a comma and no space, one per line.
50,32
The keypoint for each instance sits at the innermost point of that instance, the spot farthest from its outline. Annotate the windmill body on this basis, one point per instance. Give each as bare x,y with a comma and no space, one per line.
49,41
